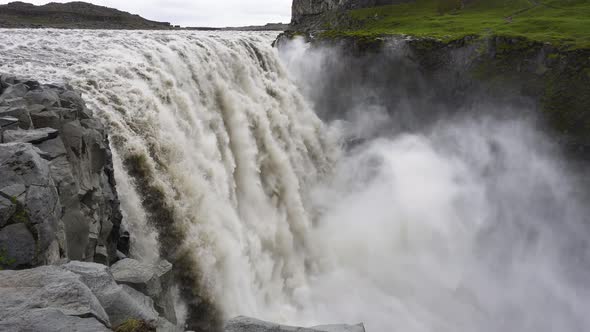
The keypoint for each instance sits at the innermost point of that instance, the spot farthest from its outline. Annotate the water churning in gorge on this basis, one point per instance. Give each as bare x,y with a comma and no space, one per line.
472,223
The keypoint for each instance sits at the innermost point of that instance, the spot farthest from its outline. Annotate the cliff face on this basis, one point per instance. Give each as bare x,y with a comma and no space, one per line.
73,15
57,189
309,14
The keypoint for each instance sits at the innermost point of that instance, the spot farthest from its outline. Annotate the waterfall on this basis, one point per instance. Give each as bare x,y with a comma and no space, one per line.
215,150
472,223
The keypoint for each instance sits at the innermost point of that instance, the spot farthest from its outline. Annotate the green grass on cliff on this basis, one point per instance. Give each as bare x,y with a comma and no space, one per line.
562,22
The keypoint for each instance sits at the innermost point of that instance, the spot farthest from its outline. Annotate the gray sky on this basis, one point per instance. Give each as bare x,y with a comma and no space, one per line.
200,12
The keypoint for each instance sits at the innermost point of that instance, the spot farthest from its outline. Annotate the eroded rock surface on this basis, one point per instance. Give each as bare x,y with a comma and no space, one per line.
56,178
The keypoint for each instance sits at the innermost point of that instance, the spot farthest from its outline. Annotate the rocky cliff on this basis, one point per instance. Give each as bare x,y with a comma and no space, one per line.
312,14
57,189
72,15
60,222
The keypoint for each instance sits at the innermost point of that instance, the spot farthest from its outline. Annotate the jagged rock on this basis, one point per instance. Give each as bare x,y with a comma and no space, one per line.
66,114
6,81
86,218
14,91
8,122
54,148
120,303
100,253
19,112
46,97
47,287
17,246
151,280
33,136
72,99
307,13
46,119
77,225
25,177
51,320
247,324
146,303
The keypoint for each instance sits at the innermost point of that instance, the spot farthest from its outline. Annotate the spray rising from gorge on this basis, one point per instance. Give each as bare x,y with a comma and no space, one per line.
420,223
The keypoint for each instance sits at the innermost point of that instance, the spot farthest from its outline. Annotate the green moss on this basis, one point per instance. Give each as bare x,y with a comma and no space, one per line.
134,325
5,261
20,216
565,23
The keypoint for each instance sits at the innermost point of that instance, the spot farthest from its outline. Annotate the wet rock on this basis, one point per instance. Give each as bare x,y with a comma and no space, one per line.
46,119
46,97
19,112
121,304
72,99
151,280
17,246
51,320
48,287
14,91
33,136
6,81
246,324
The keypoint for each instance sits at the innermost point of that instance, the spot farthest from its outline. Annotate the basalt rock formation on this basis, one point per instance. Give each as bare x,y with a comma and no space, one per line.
57,188
313,14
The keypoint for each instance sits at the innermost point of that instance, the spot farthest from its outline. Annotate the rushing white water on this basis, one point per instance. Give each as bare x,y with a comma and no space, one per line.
472,225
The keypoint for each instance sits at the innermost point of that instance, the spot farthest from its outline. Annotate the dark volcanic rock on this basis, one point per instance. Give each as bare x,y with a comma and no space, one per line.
57,179
34,136
313,14
19,245
72,15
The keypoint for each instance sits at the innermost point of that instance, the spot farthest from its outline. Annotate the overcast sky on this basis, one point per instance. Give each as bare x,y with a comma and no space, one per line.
213,13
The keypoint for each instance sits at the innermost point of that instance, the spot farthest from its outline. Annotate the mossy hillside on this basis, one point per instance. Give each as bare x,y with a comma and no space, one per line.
565,23
557,80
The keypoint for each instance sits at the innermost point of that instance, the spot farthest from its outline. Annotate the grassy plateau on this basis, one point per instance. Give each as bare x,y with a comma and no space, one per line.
564,23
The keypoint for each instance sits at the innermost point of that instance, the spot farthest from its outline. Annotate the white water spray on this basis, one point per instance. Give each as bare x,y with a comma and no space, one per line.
467,226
